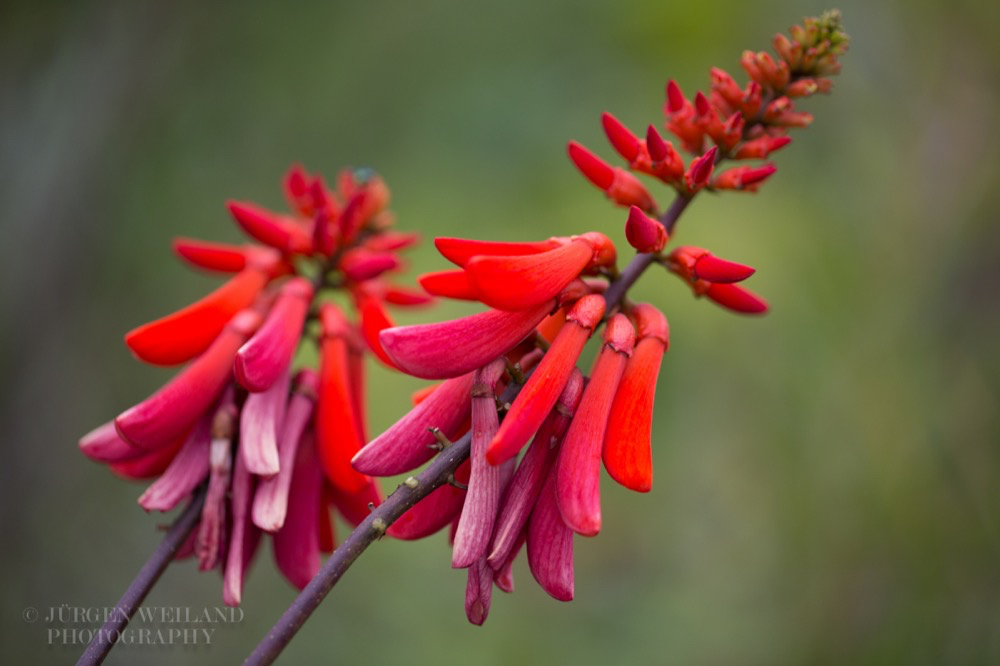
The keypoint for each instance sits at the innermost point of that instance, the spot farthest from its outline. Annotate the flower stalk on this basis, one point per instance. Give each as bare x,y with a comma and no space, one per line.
148,575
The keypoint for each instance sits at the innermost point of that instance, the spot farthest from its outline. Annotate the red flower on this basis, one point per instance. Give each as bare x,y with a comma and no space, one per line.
578,468
234,419
627,450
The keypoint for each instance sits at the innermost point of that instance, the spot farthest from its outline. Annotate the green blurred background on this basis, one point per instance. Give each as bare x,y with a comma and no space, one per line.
826,477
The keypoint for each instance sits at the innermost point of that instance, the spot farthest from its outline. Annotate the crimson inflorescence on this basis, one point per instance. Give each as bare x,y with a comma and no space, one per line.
275,448
271,444
548,299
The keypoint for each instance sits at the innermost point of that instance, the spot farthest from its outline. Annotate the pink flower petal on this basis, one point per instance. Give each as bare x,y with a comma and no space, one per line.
296,544
478,592
550,545
243,539
475,527
260,422
405,445
188,469
267,355
104,444
532,472
453,348
173,409
270,503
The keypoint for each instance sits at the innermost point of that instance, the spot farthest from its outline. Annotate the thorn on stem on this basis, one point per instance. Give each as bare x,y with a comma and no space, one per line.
453,482
442,440
379,526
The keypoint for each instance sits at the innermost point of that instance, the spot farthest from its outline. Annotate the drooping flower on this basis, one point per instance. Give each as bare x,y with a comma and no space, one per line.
549,297
540,393
233,420
627,451
578,467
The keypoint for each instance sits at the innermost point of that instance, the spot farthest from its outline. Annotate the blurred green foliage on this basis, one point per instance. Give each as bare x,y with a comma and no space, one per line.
826,477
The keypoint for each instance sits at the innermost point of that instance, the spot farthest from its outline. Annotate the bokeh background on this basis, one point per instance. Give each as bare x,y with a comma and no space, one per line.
826,477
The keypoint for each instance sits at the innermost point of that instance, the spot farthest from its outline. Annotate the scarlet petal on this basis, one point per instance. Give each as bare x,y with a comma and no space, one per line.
175,407
270,228
449,284
405,445
460,250
362,264
452,348
596,170
578,468
550,545
212,256
542,389
389,241
627,190
434,512
736,298
359,397
549,327
714,269
338,433
675,98
327,534
701,169
267,355
296,544
181,336
627,450
405,296
297,189
644,233
516,283
626,143
374,320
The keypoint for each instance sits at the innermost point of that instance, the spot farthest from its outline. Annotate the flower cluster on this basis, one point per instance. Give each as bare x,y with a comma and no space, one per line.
729,123
547,299
271,445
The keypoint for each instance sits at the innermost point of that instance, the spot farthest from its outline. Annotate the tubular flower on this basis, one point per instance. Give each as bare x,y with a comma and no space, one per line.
273,447
548,298
540,393
270,444
627,450
714,277
578,468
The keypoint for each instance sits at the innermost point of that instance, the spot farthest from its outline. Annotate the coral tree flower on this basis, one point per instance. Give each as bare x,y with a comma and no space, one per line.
270,445
578,468
627,451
